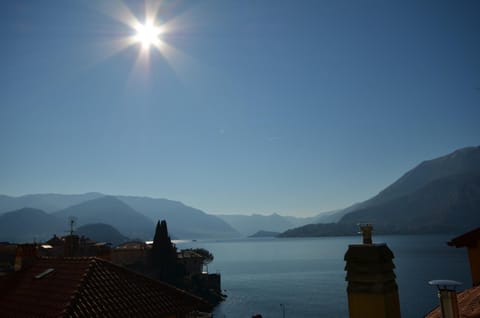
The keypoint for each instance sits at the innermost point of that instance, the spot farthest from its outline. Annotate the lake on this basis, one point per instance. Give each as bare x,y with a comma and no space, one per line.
306,277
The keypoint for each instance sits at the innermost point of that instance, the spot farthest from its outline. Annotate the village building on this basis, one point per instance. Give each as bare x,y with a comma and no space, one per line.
88,287
74,246
468,301
192,262
130,253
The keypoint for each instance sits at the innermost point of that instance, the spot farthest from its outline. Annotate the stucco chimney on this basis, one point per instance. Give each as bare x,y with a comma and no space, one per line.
448,297
372,289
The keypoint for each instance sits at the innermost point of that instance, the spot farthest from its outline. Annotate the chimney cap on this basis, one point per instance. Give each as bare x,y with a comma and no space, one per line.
443,284
366,230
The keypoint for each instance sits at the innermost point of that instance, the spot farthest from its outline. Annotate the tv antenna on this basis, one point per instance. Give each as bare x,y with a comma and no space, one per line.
71,222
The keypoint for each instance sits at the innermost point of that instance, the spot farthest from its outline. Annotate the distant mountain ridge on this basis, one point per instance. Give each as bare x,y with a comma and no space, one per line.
449,204
135,222
250,224
462,161
112,211
101,232
261,234
28,225
183,221
48,202
438,195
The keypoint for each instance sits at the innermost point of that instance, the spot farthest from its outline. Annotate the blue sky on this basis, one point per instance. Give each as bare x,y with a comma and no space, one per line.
294,107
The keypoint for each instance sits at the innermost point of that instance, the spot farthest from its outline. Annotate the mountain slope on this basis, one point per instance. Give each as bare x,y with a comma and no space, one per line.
183,221
449,204
111,210
101,232
28,225
438,195
461,161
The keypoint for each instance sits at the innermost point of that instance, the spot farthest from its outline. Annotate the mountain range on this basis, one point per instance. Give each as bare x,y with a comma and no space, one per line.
110,210
438,195
248,225
29,225
133,217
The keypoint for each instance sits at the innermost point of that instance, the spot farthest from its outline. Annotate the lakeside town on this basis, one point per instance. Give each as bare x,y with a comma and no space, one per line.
73,275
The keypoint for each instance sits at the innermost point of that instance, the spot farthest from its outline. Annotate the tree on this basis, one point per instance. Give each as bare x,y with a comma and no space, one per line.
163,256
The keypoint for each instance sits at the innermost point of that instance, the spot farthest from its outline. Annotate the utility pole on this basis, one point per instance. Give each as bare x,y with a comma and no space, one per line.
283,309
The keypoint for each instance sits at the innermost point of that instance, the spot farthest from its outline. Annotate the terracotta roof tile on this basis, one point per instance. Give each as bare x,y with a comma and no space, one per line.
469,239
88,287
468,304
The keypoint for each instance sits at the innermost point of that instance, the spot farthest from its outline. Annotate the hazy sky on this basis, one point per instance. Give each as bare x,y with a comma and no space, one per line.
294,107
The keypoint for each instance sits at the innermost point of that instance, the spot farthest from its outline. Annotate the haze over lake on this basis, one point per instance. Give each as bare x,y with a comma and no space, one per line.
308,277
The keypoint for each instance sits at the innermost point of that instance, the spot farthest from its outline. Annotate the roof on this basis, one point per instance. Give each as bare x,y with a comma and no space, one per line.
468,304
132,245
87,287
469,239
55,240
188,254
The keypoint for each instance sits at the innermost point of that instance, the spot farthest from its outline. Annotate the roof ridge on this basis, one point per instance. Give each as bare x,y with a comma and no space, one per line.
74,298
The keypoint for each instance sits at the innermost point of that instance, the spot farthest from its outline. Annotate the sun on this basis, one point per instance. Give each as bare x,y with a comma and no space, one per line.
148,34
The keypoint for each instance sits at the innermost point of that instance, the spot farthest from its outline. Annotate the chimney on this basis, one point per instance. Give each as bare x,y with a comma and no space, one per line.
26,254
448,297
372,289
72,245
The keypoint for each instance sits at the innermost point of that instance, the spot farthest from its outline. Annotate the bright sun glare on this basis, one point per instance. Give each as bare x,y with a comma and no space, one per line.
148,34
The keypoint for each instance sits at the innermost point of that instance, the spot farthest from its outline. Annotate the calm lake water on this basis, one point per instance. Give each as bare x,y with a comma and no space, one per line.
307,276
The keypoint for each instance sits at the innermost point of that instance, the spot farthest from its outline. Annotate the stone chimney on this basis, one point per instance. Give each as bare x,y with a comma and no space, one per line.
372,289
25,256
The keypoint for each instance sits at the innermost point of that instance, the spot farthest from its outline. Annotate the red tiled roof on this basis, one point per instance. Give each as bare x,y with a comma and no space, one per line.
88,287
468,304
468,239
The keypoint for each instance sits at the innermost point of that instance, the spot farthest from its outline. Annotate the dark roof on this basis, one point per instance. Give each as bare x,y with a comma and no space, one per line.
55,240
468,304
132,245
469,239
89,287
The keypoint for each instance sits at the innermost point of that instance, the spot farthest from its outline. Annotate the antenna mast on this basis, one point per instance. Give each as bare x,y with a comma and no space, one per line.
72,220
